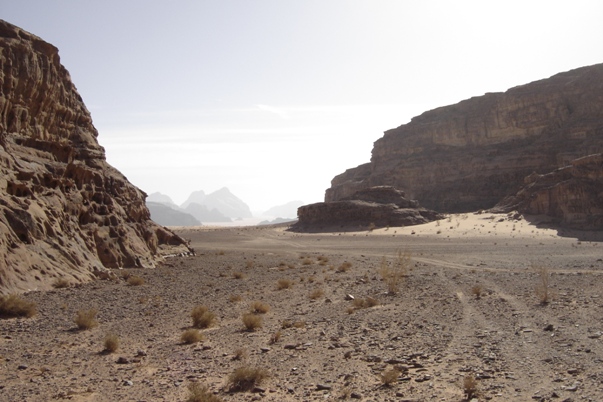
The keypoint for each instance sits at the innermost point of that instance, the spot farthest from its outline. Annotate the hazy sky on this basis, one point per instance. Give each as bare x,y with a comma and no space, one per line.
272,99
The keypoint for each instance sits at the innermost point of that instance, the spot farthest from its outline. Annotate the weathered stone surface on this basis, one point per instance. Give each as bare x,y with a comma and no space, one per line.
65,212
374,207
572,195
470,155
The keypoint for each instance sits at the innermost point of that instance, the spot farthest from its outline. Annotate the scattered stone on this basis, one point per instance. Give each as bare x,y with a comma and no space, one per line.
349,297
549,327
128,383
123,360
323,387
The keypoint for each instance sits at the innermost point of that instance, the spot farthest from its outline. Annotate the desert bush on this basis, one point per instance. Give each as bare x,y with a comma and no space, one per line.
240,354
111,343
344,267
274,338
365,303
299,324
135,280
249,264
258,307
252,321
371,226
202,317
86,319
477,291
307,261
543,288
201,393
389,377
61,283
283,284
191,336
317,293
286,324
238,275
470,386
394,275
246,378
14,306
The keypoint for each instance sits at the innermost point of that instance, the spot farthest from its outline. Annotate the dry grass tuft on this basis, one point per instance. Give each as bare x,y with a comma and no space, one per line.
235,298
389,377
274,338
61,283
191,336
135,280
240,354
394,275
201,393
238,275
14,306
470,386
477,291
365,303
344,267
317,293
86,319
284,284
202,317
543,289
258,307
307,261
252,321
246,378
111,343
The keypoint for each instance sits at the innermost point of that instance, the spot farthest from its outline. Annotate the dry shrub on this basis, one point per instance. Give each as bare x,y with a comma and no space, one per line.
344,267
220,252
317,293
299,324
246,378
543,288
238,275
61,283
322,260
201,393
135,280
258,307
389,377
249,264
202,317
470,386
14,306
283,284
240,354
111,343
477,291
252,321
274,338
191,336
307,261
86,319
286,324
235,298
394,275
365,303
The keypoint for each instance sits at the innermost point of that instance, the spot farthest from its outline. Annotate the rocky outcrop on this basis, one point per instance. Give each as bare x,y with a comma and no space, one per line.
470,155
572,195
65,212
370,208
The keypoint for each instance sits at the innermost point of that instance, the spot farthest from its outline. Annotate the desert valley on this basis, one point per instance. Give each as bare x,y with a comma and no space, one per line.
463,262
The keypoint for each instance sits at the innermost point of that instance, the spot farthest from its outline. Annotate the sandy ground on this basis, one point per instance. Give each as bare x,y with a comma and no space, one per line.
468,306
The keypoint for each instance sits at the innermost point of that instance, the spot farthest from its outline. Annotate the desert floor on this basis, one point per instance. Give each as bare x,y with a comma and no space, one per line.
469,305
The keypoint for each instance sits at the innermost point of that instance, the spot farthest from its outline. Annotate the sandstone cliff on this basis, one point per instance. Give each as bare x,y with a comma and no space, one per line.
65,212
369,208
572,195
470,155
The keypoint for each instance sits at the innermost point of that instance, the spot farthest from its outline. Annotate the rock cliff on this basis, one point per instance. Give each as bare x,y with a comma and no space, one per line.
369,208
572,195
470,155
65,212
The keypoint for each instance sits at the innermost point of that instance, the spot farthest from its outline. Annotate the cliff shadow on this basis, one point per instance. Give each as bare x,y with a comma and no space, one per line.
547,222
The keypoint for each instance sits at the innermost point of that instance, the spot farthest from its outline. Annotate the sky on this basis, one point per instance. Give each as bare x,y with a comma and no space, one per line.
273,98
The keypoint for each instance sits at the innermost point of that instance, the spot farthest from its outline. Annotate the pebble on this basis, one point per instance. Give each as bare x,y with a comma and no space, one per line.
323,387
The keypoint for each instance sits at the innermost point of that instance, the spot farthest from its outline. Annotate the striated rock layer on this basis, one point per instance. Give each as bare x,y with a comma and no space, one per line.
470,155
65,212
572,195
373,207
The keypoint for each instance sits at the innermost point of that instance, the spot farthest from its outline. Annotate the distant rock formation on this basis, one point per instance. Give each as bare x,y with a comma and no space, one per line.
65,211
572,195
370,208
470,155
223,201
204,214
157,197
288,210
165,215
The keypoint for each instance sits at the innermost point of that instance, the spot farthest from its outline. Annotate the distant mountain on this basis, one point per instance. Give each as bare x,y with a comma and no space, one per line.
288,210
223,201
162,199
165,215
204,214
275,221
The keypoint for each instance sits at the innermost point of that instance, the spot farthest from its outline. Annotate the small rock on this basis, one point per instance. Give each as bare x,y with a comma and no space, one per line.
349,297
355,395
265,349
259,390
573,371
22,367
323,387
128,383
549,327
141,353
123,360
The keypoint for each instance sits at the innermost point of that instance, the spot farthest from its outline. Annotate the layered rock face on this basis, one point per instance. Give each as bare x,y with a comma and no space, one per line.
373,207
65,212
572,195
470,155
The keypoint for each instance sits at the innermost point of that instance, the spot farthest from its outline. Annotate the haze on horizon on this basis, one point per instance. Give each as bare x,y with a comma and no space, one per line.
273,98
